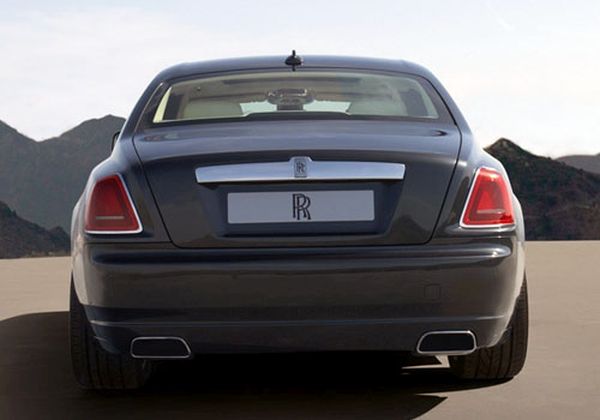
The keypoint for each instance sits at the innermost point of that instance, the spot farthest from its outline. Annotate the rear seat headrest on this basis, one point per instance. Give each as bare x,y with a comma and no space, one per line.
207,108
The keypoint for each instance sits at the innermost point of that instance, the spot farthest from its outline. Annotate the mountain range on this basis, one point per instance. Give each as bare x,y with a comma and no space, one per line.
559,201
590,163
20,238
41,181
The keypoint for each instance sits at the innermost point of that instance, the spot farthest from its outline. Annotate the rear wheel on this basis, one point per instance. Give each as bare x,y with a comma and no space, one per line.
94,367
505,359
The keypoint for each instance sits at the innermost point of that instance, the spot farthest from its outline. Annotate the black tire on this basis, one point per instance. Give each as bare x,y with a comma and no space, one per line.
94,367
505,359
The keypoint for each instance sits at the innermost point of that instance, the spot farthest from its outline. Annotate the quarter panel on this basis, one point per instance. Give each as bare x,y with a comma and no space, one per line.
124,161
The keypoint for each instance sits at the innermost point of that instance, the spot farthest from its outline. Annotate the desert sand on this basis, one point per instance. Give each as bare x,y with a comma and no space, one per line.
561,378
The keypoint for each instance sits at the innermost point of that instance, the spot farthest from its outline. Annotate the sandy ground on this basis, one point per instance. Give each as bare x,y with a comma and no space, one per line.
561,378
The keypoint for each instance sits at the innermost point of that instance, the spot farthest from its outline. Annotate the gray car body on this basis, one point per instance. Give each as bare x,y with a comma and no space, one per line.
222,292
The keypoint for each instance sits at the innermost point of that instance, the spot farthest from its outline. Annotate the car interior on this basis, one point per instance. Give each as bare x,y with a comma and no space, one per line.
238,96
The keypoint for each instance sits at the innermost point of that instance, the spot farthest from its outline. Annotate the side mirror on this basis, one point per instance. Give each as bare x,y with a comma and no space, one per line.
114,140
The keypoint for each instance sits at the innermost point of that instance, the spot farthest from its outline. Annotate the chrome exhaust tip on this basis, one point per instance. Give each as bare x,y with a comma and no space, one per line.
447,343
160,348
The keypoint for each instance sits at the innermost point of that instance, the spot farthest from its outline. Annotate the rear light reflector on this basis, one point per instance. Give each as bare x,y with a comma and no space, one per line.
110,209
489,202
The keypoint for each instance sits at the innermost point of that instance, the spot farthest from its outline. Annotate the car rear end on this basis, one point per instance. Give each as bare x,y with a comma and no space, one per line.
319,208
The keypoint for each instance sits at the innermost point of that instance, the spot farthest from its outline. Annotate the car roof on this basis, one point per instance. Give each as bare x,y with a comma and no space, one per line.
274,62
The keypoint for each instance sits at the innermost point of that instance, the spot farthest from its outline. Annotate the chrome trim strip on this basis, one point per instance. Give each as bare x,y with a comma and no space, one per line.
120,232
285,171
447,353
187,348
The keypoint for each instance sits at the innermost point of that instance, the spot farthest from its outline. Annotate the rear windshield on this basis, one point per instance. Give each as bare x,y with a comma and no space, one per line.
300,94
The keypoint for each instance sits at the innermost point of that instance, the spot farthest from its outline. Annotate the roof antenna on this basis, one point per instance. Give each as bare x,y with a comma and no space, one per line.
293,60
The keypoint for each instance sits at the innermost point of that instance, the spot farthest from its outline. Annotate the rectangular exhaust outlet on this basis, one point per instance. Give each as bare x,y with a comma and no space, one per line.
447,343
160,348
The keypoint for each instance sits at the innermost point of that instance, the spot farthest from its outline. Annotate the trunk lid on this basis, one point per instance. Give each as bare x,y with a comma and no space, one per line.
197,215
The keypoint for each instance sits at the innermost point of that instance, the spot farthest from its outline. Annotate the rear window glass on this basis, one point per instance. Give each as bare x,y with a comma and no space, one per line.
303,94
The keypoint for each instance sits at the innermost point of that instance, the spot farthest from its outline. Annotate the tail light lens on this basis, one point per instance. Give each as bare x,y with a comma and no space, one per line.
110,208
489,203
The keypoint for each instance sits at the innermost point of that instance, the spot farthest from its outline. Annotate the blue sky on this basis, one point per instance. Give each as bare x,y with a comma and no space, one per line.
526,70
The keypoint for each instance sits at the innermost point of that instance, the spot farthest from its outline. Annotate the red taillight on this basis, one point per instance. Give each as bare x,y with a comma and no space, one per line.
109,208
489,203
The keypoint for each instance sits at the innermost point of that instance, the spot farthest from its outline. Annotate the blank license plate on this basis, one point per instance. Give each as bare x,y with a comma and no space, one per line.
300,207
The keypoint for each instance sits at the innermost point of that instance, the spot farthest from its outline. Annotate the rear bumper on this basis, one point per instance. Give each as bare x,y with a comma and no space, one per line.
298,299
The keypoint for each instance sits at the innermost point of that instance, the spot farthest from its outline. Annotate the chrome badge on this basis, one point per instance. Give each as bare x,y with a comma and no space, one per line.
300,166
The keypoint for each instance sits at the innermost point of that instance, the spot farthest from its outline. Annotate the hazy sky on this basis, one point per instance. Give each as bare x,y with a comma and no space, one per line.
526,70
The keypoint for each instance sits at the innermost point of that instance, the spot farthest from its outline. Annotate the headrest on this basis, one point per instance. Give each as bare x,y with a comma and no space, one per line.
201,108
377,107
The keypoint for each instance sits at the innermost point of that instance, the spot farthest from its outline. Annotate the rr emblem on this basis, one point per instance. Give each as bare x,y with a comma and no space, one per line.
300,167
300,205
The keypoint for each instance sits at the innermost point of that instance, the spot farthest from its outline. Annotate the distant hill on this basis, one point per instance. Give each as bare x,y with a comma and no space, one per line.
43,180
20,238
559,201
590,163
